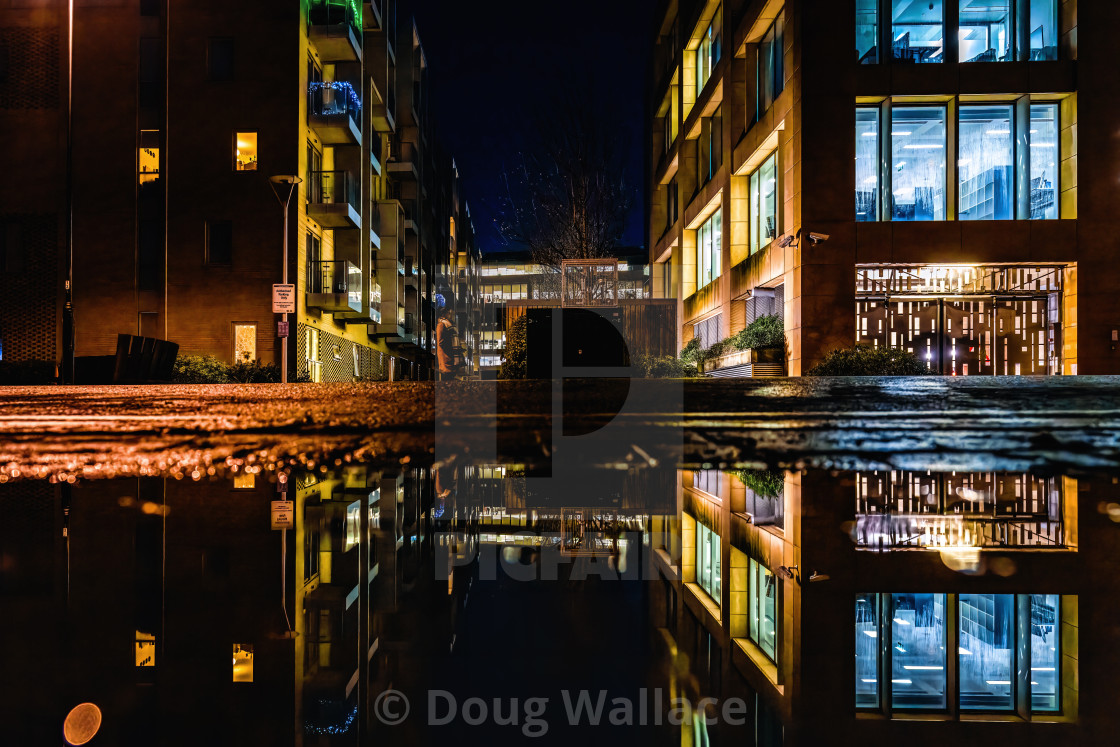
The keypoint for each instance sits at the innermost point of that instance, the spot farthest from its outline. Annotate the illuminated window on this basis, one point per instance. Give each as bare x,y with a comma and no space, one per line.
244,343
245,152
1043,138
867,31
145,649
709,244
242,662
918,162
764,204
985,163
244,481
148,157
763,597
708,55
708,574
918,31
986,31
867,651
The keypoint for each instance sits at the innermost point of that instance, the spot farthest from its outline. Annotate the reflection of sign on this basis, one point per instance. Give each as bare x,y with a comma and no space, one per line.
283,515
283,298
281,329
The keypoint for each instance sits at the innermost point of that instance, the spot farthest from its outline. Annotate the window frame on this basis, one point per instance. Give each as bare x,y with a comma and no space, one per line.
755,244
711,250
208,257
755,574
776,70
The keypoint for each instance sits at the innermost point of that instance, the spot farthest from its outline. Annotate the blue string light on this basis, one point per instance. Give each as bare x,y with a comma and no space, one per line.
352,96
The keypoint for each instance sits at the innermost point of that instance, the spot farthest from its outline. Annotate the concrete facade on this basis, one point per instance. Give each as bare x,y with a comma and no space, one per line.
809,127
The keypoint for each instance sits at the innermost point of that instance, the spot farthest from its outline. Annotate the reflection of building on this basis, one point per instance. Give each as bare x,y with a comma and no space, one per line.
786,169
949,632
177,233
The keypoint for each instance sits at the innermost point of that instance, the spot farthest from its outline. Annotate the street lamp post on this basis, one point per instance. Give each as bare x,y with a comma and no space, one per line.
291,181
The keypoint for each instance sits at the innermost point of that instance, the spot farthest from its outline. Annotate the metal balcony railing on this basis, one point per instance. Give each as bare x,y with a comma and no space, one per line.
334,97
334,12
332,187
339,277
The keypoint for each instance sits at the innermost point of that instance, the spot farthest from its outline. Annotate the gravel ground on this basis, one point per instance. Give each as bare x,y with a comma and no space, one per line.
915,423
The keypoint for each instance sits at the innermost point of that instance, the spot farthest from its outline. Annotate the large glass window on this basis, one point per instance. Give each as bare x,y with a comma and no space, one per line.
918,651
1045,647
763,629
709,147
770,71
986,33
867,651
764,204
918,162
708,247
708,561
1044,29
918,30
867,163
985,164
709,52
1044,161
867,31
986,650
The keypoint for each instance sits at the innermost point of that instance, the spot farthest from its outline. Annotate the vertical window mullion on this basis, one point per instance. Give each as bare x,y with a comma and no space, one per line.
1022,157
1022,668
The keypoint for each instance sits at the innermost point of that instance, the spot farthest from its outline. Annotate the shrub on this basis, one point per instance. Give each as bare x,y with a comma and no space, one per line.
866,361
254,372
515,364
664,367
26,373
764,332
691,352
765,483
200,369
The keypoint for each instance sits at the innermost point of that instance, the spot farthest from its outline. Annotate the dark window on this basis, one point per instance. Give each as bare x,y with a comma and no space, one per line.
219,59
13,257
151,71
150,254
149,7
770,73
219,242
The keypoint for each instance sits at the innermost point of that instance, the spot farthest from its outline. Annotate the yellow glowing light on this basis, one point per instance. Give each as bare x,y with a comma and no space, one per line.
82,724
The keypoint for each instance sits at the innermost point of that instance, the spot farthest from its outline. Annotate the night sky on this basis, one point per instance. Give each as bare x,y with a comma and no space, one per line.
496,64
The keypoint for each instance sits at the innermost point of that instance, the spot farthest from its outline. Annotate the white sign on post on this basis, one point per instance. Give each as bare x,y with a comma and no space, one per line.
283,298
283,515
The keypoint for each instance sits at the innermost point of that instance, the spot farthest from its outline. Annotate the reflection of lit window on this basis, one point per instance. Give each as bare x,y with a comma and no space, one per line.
245,152
244,481
244,343
242,662
987,636
145,649
353,525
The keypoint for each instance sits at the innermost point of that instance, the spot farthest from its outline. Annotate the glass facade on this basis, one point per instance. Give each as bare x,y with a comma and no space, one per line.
1045,649
708,561
764,204
771,70
763,629
990,672
1044,161
918,651
985,163
918,162
986,31
867,31
1044,30
867,651
708,246
709,52
867,163
918,30
986,650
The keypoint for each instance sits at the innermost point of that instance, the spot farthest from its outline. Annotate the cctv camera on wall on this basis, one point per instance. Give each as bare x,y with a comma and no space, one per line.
818,238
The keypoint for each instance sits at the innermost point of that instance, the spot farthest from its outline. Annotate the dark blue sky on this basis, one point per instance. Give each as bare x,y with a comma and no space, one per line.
495,64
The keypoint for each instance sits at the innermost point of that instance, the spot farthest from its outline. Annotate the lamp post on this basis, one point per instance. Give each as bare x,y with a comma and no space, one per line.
291,181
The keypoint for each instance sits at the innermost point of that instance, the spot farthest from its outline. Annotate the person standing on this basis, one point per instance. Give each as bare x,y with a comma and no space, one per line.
445,345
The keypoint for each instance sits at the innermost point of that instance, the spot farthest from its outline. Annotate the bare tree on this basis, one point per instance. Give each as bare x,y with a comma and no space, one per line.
567,196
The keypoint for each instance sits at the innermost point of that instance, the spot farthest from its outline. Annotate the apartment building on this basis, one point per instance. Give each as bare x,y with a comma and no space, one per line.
180,117
890,173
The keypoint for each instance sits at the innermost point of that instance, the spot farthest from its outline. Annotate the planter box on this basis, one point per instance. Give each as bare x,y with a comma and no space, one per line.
748,363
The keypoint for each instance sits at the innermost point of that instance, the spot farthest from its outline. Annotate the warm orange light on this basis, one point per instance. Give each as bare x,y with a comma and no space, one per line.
81,724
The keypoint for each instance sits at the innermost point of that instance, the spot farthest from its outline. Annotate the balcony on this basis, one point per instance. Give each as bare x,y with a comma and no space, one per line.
404,161
334,286
334,30
333,199
334,110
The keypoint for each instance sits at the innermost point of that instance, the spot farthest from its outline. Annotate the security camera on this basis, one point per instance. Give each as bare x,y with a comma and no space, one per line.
817,238
784,572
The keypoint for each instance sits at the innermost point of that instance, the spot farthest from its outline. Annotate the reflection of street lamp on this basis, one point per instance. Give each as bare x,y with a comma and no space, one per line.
291,181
